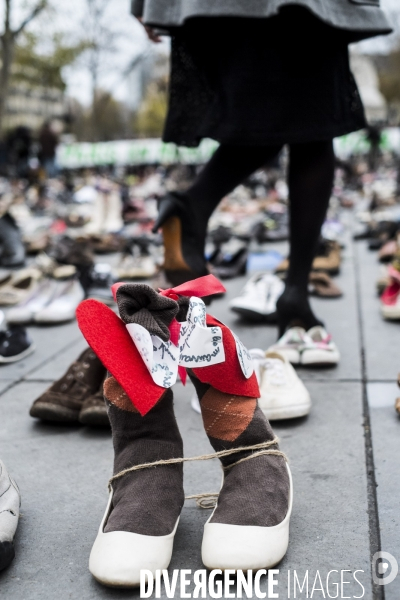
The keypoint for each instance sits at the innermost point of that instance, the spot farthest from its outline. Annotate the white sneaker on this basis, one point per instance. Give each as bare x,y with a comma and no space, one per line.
258,358
290,345
319,349
36,301
314,347
283,394
10,501
257,302
63,305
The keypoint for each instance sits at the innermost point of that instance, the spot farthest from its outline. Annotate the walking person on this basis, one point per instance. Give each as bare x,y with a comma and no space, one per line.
255,76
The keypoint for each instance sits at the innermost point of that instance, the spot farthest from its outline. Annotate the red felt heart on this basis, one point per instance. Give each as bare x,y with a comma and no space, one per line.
109,339
228,376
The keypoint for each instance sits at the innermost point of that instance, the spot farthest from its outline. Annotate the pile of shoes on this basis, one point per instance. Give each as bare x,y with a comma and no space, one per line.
46,295
327,260
77,397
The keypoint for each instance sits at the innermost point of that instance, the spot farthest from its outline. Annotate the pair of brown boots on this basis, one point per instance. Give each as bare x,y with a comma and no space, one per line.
77,396
249,527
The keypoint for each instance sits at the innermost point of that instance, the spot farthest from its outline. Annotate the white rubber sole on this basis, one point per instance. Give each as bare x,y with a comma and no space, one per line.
287,412
319,357
292,355
391,313
11,359
118,557
62,318
238,547
19,320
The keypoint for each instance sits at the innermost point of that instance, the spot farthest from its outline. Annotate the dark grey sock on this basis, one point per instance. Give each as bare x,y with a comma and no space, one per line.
149,501
139,303
255,492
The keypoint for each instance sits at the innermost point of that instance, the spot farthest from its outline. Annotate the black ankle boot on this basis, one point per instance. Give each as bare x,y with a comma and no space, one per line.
293,309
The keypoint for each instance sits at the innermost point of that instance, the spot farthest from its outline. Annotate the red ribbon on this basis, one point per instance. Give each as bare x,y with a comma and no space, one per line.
203,286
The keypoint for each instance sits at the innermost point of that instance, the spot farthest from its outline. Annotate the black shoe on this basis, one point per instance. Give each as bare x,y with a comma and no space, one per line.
231,265
13,254
15,345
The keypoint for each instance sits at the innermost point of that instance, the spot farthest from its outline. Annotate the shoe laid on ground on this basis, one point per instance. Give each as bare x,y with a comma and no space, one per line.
231,264
312,348
290,345
321,285
328,259
15,345
94,410
283,394
63,305
19,286
40,297
100,284
136,266
257,302
63,401
319,349
139,525
10,501
258,358
390,299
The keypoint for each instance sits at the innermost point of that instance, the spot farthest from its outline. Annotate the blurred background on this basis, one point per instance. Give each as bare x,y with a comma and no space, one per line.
88,67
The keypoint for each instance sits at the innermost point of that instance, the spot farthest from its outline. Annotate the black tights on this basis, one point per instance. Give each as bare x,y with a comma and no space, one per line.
310,183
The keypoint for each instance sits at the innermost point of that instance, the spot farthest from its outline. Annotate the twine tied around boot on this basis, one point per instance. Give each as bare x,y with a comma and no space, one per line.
207,500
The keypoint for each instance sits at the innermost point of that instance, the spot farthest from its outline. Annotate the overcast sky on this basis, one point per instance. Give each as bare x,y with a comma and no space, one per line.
69,17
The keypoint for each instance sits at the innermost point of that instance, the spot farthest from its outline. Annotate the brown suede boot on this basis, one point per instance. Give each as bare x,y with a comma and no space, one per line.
94,410
63,401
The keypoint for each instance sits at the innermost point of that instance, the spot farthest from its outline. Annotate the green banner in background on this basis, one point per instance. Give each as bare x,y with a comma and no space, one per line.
155,151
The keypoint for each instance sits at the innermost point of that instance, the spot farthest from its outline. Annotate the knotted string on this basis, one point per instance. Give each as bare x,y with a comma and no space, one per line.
207,500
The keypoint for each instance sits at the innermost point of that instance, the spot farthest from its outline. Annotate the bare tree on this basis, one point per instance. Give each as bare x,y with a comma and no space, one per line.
101,42
8,41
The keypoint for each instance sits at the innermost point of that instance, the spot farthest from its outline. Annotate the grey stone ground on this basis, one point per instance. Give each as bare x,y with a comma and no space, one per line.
338,519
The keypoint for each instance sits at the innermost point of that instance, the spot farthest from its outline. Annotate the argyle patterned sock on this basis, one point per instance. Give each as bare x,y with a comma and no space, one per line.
255,492
148,501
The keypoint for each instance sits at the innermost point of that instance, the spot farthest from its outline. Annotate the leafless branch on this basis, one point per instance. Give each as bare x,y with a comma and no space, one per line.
35,12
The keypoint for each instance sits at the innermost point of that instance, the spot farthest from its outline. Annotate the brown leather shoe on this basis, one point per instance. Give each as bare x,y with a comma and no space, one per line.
63,401
94,410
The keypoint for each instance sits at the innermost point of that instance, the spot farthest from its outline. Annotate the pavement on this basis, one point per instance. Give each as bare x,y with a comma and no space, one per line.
343,459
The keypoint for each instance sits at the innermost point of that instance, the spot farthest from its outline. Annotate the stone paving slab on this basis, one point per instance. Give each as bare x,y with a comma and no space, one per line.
56,365
49,342
386,444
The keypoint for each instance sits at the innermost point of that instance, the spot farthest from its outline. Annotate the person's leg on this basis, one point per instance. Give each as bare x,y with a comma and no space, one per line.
229,166
184,216
311,174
